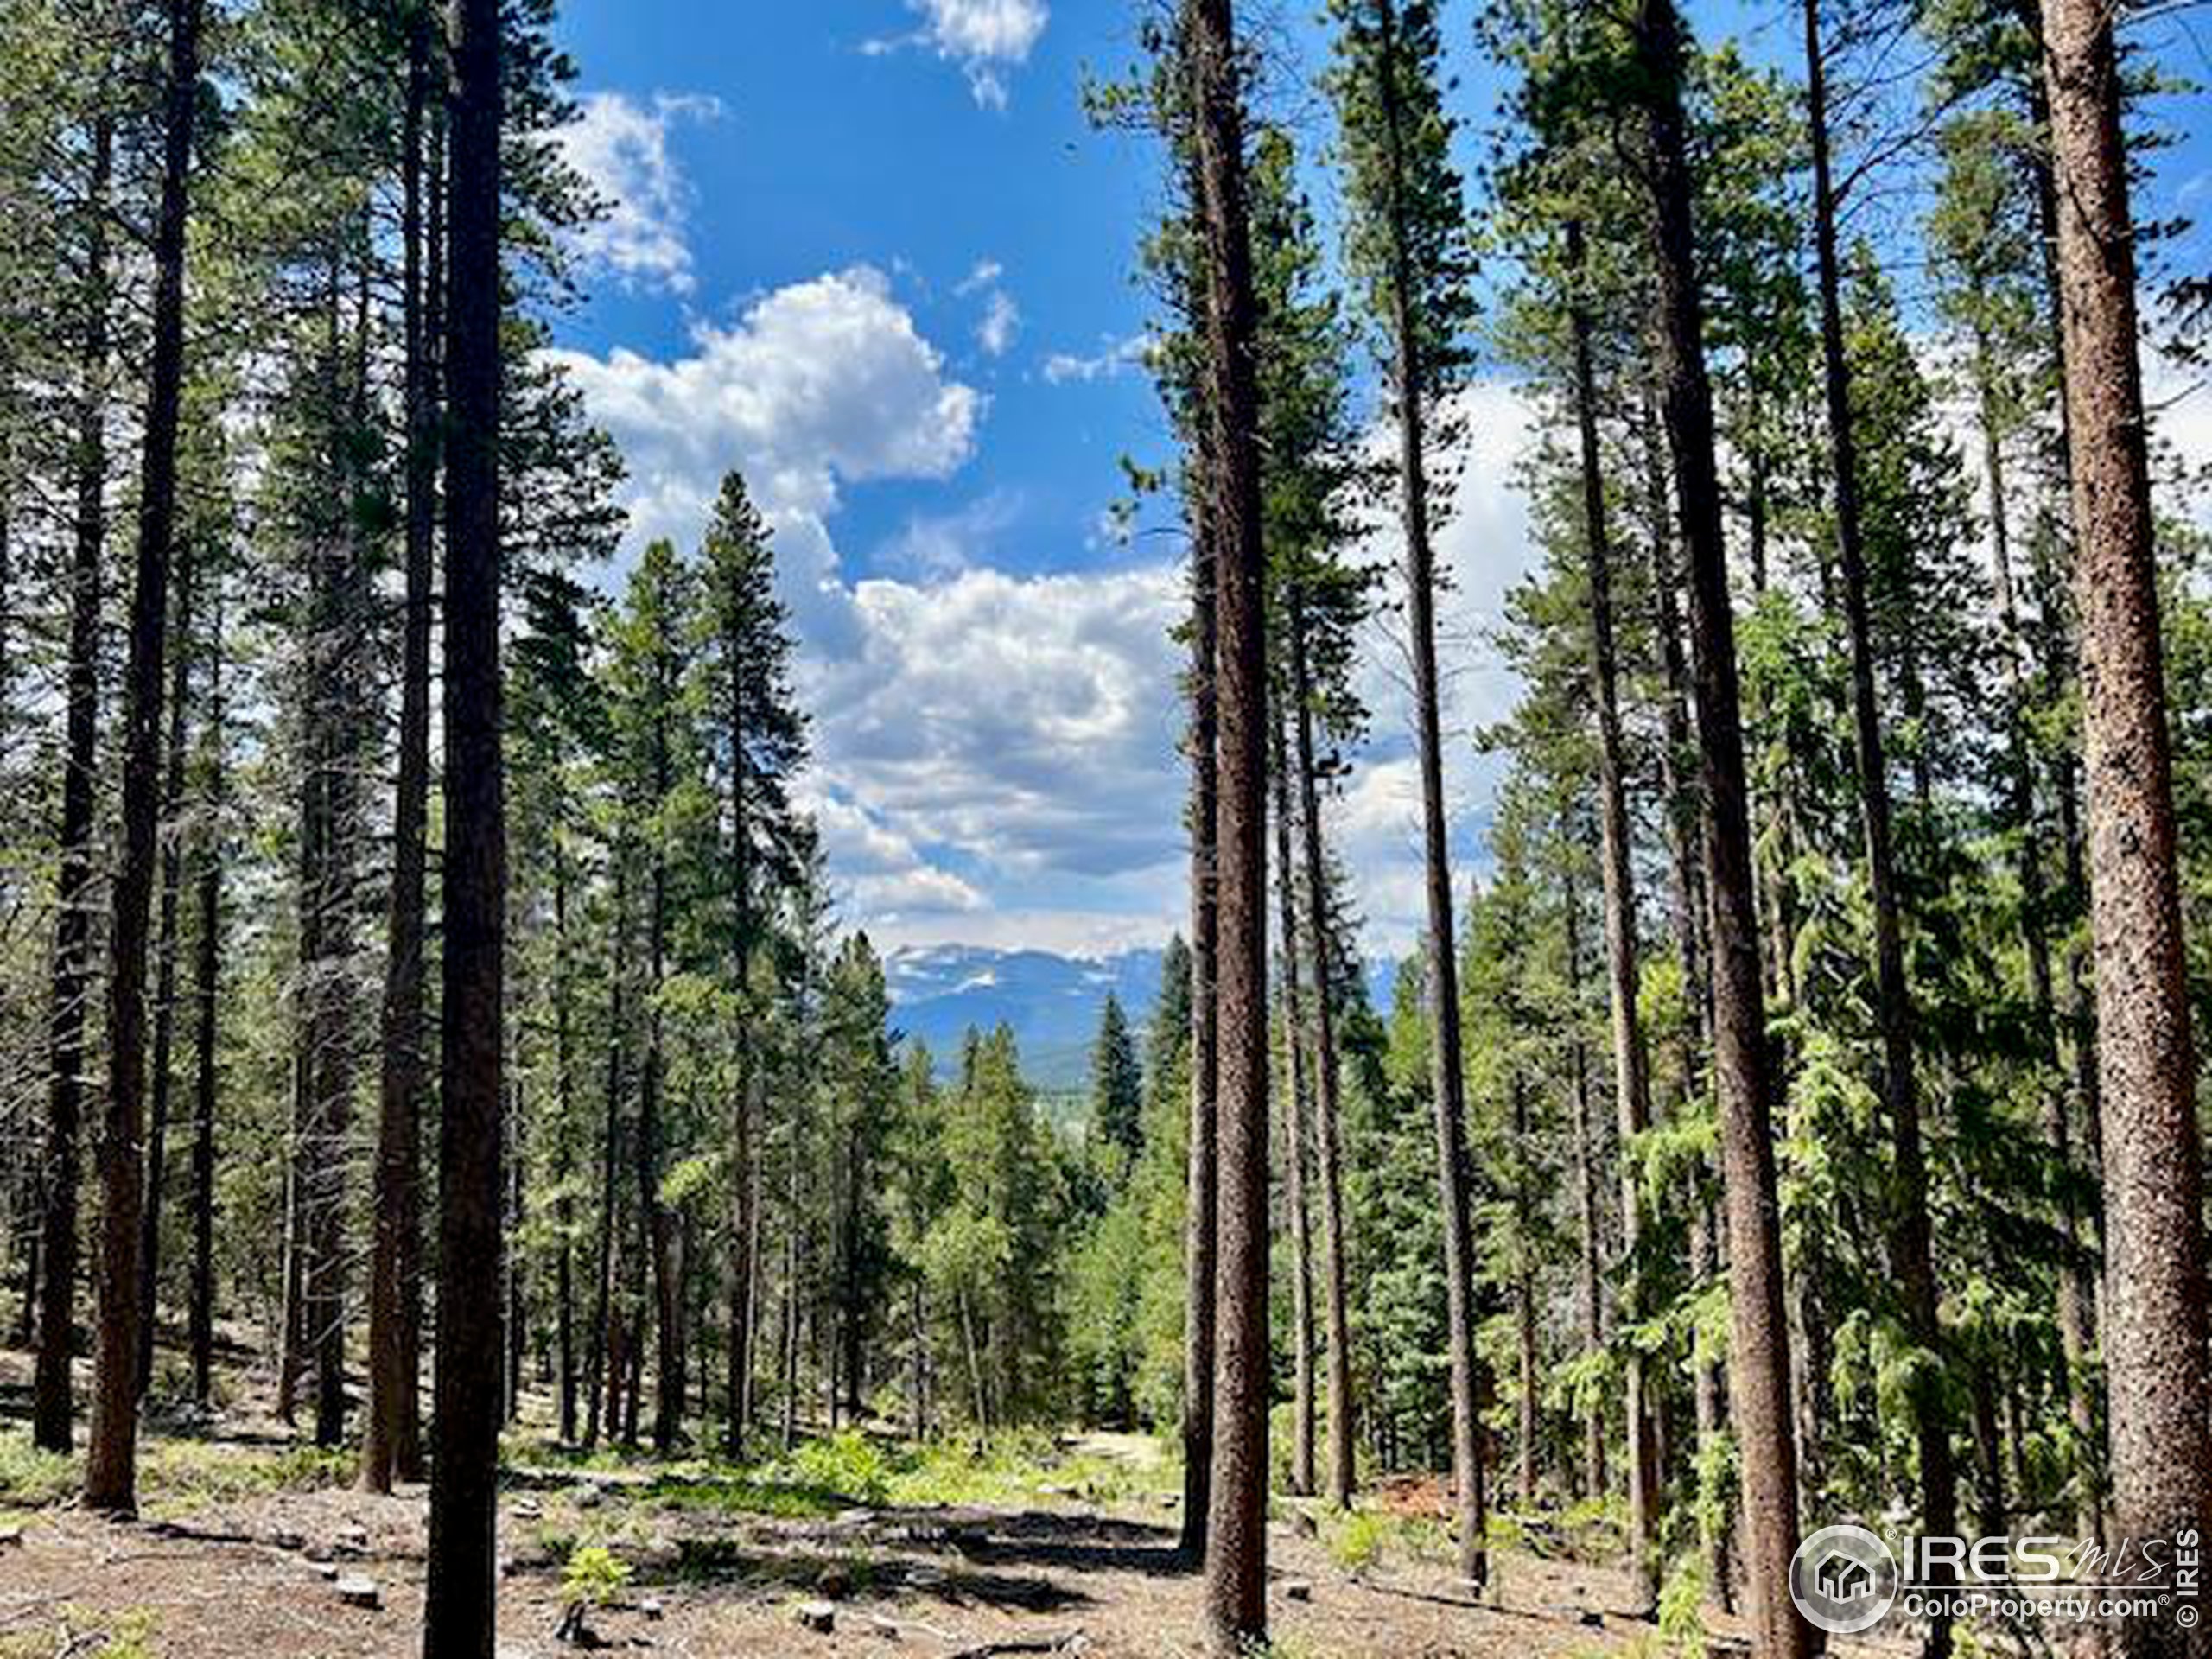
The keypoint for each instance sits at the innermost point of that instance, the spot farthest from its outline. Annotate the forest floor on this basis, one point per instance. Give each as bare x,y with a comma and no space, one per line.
250,1542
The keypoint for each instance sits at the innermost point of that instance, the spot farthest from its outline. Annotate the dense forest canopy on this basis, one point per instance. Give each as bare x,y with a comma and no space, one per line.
467,839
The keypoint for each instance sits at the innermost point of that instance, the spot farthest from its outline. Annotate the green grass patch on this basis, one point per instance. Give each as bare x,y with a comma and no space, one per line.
125,1635
33,1479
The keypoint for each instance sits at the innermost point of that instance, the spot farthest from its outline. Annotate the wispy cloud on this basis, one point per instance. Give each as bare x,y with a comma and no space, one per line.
1115,357
621,148
984,37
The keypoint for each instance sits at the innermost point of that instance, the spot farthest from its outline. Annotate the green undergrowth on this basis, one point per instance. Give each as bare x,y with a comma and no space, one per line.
821,1477
1360,1540
175,1476
83,1634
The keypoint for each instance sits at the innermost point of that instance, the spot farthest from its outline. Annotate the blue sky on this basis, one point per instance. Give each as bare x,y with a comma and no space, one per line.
871,253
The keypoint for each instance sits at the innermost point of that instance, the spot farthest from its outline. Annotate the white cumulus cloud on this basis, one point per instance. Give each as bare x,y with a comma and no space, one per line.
984,37
621,148
824,381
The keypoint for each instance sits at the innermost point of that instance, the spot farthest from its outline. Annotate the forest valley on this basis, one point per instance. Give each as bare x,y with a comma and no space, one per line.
465,1182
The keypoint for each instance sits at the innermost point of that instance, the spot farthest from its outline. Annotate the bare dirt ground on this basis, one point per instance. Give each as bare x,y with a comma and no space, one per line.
246,1548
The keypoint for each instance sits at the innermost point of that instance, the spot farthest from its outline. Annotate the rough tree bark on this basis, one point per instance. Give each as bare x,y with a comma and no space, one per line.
2155,1320
1741,1063
1236,1576
458,1610
111,1465
1200,1207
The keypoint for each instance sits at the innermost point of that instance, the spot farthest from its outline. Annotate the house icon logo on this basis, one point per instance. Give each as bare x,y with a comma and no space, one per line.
1843,1579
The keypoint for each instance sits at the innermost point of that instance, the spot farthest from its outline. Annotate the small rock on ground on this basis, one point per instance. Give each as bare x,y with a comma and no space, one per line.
359,1592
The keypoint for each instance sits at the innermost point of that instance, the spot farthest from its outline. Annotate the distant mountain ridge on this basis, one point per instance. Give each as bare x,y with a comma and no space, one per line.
1051,1001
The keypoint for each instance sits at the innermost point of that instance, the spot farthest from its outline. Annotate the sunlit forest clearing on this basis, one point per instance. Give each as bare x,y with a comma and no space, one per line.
1643,1096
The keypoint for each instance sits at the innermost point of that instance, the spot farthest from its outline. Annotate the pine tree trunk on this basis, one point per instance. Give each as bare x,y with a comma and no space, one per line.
53,1407
326,900
1321,960
1595,1479
2155,1321
394,1362
1630,1080
1741,1063
1715,1535
518,1286
208,1055
605,1365
791,1308
1200,1198
1527,1201
2074,1296
1448,1079
1294,1135
1686,893
111,1465
1236,1577
171,882
1911,1253
564,1062
668,1311
741,1126
458,1611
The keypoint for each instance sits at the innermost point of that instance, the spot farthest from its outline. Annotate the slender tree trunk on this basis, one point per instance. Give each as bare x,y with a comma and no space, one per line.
1294,1136
1761,1348
2075,1296
668,1311
328,846
564,1062
605,1362
458,1610
741,1126
1200,1207
1715,1534
110,1466
52,1407
1911,1252
2155,1320
1448,1079
1320,957
790,1309
1630,1080
394,1362
1235,1578
208,1055
171,882
291,1339
1527,1201
1686,894
1591,1266
518,1286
